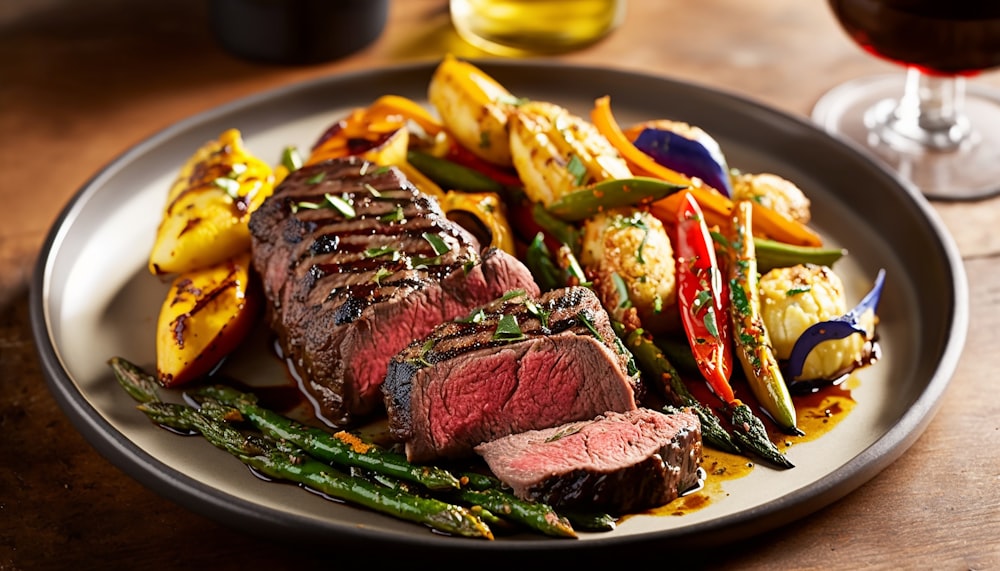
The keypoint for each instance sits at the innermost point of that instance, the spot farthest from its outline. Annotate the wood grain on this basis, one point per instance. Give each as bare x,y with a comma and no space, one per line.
81,82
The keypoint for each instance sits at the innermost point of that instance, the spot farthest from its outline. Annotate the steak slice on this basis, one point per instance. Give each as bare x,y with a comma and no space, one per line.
618,462
519,363
356,263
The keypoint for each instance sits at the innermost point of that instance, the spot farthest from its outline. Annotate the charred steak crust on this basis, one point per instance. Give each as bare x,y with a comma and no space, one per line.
618,462
521,362
356,262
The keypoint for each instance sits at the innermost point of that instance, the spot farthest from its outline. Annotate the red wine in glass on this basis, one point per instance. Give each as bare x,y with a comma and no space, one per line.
929,125
942,37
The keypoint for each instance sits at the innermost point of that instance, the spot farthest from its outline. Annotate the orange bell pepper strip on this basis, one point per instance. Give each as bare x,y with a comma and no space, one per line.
605,122
771,223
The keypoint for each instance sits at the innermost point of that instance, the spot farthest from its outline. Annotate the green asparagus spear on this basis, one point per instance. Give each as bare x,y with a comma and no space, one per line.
581,521
750,434
534,515
139,384
282,461
340,448
654,364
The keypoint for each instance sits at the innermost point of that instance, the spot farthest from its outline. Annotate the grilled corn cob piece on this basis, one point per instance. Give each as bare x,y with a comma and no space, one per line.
629,256
774,192
797,297
474,109
556,152
208,206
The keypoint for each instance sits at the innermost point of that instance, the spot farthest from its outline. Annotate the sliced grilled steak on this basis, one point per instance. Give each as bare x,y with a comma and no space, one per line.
519,363
356,263
619,462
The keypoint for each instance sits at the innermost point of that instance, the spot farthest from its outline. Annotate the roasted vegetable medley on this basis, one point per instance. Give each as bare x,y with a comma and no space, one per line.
712,277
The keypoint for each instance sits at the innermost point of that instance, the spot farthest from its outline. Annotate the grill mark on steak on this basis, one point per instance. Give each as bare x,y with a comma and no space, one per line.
347,290
617,462
462,384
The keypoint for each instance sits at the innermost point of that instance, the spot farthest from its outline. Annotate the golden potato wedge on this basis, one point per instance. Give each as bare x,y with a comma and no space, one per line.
474,108
205,316
208,207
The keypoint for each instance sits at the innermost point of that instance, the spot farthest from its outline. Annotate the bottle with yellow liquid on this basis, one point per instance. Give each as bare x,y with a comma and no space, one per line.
535,27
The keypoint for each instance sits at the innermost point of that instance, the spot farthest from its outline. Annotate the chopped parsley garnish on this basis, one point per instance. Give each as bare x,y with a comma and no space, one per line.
393,253
437,243
577,170
476,316
585,320
341,205
508,329
395,215
291,159
541,314
381,273
421,359
514,293
622,290
798,290
229,186
564,432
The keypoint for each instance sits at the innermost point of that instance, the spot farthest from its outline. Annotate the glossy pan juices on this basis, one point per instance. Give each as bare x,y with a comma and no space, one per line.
526,27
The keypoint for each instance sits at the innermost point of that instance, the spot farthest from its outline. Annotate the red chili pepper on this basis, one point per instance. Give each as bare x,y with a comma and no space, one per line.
703,298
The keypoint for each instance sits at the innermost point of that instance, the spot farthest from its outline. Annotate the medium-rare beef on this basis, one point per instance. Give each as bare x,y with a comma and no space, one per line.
618,462
356,263
519,363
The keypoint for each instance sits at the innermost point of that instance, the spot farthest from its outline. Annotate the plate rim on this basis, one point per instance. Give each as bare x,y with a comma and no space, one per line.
253,518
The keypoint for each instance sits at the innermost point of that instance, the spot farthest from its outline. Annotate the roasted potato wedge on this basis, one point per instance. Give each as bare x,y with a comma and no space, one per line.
208,207
556,152
205,316
474,109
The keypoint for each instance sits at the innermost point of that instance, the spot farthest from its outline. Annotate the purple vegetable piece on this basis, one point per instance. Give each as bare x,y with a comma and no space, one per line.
839,328
700,158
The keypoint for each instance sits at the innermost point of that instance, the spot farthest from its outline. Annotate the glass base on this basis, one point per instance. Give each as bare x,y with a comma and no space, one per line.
968,171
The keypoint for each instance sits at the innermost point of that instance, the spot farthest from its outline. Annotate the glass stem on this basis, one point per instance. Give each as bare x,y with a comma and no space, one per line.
930,113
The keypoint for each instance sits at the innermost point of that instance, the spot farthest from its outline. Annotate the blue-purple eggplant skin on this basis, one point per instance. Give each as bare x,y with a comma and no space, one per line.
689,157
839,328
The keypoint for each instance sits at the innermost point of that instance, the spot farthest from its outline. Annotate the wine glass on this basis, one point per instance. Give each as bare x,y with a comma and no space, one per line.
930,124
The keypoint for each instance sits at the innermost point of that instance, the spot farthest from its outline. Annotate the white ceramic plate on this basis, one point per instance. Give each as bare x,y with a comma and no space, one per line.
93,298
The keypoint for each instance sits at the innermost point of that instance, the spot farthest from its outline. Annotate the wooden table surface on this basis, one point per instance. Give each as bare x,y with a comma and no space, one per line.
81,82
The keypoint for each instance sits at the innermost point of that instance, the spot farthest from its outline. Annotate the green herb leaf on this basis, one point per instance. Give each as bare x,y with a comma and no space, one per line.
541,314
585,320
229,186
381,273
316,178
564,432
798,290
291,159
508,329
577,170
395,216
622,290
476,316
437,243
341,205
383,251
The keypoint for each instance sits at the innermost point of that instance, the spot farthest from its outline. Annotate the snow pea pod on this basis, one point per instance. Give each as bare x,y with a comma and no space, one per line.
450,175
612,193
